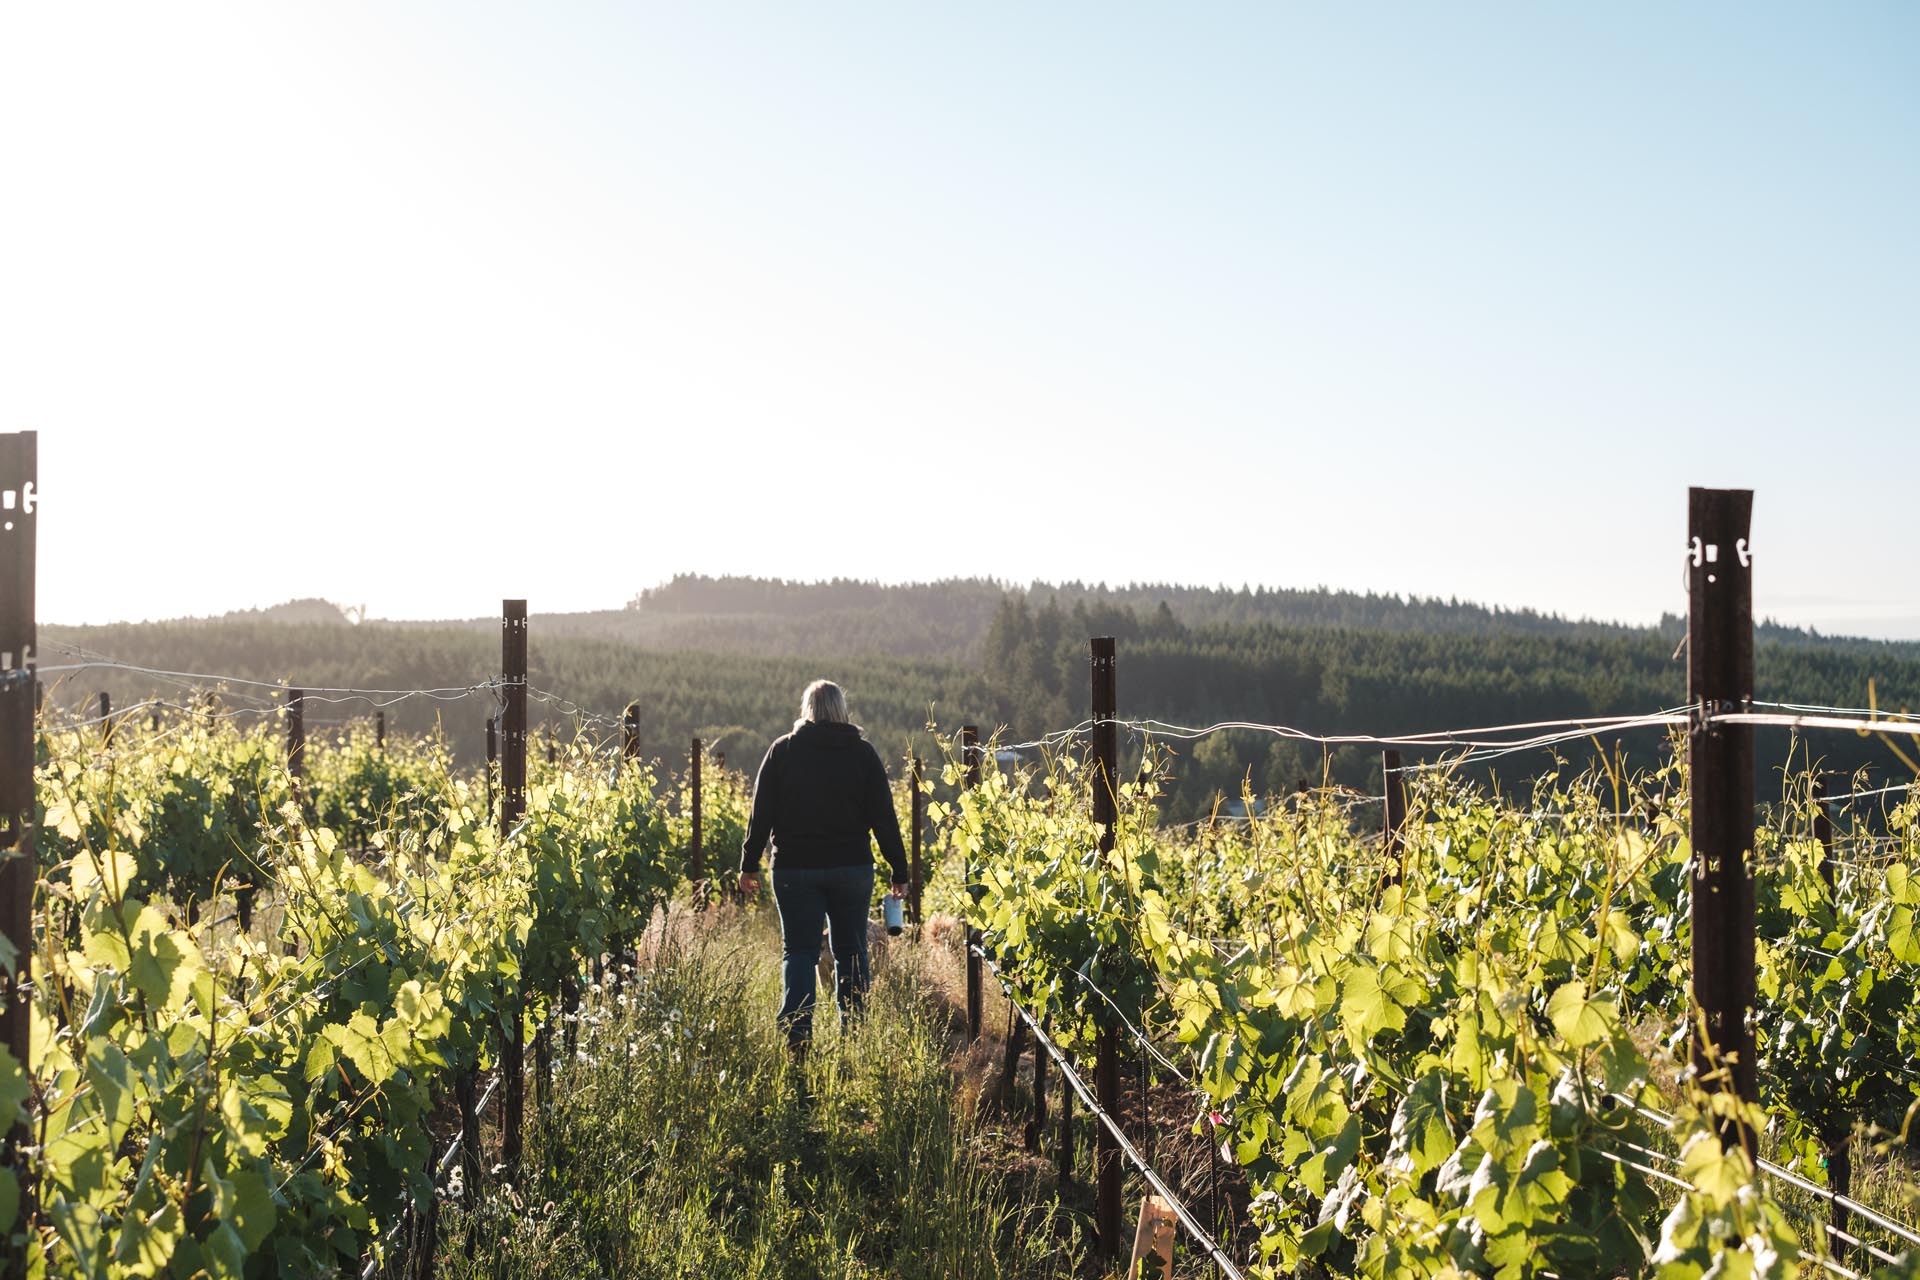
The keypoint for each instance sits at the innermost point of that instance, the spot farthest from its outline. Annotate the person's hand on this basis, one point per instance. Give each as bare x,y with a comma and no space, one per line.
899,888
749,883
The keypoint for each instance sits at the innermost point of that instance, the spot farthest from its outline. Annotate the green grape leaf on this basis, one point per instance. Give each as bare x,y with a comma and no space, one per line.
1900,936
1365,1006
147,1245
15,1088
1293,993
245,1200
1580,1021
1420,1137
114,869
1719,1175
320,1059
162,962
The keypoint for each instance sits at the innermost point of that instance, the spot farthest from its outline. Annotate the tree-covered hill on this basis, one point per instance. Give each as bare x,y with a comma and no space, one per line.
725,658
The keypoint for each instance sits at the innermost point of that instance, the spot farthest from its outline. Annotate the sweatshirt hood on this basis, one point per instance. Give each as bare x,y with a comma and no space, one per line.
827,734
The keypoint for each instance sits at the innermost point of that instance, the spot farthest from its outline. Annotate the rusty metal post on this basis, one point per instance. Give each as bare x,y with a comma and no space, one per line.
1823,832
1838,1140
1064,1153
297,735
1010,1062
493,758
106,718
630,732
466,1092
156,720
1720,768
513,716
19,537
1103,775
916,818
696,856
699,851
1037,1127
380,730
513,806
976,980
1391,827
553,748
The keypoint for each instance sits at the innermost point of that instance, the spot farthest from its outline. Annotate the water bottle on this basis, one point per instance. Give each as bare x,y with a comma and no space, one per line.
894,907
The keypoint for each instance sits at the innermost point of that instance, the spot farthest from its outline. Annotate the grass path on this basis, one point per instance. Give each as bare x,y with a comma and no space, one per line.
682,1144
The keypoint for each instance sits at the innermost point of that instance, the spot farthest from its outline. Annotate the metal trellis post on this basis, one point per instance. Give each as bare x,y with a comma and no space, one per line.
916,819
513,716
1037,1127
19,478
1823,831
1839,1140
696,858
970,753
1106,816
1396,815
493,759
297,735
1720,765
513,806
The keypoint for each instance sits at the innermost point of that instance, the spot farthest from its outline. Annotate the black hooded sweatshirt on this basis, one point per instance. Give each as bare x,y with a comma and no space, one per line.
820,790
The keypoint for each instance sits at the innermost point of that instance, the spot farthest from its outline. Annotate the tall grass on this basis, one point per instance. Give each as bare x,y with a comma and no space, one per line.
682,1143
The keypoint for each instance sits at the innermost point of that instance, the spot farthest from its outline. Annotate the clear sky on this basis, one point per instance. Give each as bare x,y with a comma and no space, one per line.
423,305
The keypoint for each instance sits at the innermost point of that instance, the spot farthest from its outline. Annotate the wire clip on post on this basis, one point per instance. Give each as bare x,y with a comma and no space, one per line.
1720,764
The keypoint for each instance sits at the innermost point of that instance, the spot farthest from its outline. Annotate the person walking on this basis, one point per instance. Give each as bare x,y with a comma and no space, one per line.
821,791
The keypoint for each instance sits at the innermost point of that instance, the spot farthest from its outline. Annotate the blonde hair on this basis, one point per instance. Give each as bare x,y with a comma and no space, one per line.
822,703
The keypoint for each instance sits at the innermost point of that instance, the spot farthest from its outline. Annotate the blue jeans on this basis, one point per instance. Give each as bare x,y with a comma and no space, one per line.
806,896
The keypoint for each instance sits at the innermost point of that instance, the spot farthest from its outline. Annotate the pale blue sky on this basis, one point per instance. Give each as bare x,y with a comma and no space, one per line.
1453,300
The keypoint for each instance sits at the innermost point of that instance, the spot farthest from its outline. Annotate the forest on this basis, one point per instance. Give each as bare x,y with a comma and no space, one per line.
725,659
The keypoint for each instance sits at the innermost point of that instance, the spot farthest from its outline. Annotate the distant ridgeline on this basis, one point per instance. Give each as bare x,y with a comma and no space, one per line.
725,658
